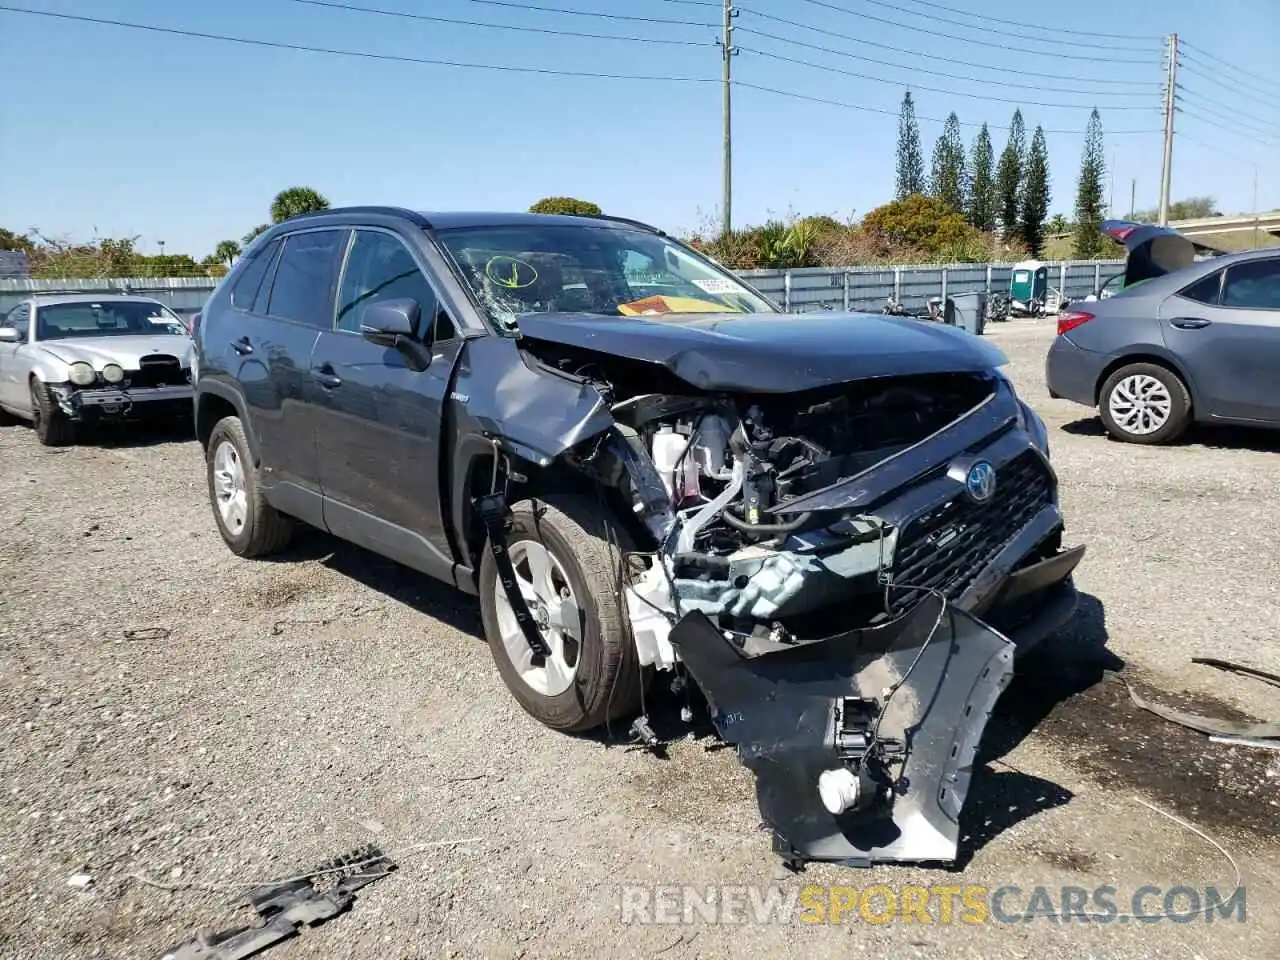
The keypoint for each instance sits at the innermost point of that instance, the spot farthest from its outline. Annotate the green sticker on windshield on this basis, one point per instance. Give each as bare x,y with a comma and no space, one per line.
510,273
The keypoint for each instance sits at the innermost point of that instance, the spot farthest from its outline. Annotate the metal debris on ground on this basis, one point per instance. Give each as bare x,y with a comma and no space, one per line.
289,905
1212,726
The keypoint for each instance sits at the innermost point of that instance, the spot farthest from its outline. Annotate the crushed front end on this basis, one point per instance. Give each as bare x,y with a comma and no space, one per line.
158,387
846,573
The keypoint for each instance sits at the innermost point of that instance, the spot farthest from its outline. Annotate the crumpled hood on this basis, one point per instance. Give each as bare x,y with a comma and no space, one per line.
772,352
126,351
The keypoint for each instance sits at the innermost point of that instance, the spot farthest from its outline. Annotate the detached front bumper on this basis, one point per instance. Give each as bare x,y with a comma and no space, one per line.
862,743
121,402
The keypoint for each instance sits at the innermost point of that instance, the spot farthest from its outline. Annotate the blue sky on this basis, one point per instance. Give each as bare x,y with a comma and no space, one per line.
186,140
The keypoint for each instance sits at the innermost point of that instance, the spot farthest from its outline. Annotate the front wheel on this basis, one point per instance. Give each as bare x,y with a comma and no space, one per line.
567,562
1144,403
53,427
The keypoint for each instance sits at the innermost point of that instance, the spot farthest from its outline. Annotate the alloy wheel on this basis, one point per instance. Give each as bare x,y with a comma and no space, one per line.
1140,404
551,600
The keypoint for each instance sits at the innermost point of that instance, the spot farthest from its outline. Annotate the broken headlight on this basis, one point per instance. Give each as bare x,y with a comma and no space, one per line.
1030,421
81,374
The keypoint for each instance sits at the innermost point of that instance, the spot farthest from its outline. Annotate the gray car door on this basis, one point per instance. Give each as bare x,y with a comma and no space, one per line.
1228,336
13,388
379,423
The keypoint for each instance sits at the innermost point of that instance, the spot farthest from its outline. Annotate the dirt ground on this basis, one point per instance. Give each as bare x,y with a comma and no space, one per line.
173,712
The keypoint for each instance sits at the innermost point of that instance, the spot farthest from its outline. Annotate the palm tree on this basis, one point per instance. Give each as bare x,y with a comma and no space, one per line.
255,233
295,201
226,252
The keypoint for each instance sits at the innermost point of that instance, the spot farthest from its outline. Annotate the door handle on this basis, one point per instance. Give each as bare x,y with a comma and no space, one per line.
1190,323
326,377
242,346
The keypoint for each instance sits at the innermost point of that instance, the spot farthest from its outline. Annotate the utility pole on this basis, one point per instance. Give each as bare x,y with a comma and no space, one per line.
1255,206
1170,92
726,53
1133,196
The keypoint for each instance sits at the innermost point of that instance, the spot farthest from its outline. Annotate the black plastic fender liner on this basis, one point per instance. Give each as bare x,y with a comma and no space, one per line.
777,708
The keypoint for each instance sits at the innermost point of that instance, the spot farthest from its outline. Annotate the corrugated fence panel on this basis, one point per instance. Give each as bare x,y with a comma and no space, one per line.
178,292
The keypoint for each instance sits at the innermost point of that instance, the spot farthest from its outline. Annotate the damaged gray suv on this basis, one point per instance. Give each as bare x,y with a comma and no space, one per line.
836,528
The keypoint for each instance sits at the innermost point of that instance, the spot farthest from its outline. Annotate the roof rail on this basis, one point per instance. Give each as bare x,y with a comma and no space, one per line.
408,214
650,228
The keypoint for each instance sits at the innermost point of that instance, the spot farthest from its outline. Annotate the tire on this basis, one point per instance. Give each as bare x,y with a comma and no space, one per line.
608,682
1166,391
263,530
53,427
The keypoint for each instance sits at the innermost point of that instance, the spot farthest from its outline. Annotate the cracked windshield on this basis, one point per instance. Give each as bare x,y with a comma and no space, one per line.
600,270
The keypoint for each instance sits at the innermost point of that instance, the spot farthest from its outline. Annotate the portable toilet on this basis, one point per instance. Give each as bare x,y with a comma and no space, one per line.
1029,282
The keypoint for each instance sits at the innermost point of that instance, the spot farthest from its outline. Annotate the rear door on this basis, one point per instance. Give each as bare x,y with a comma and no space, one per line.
290,309
381,419
1226,328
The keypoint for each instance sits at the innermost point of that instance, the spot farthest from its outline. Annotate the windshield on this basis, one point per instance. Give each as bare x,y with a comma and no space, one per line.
597,269
110,318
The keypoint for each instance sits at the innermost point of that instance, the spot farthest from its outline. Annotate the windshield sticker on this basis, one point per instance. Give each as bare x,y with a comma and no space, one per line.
716,285
510,273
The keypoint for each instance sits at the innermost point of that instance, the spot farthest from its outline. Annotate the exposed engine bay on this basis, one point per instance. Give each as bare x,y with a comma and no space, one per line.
713,480
816,562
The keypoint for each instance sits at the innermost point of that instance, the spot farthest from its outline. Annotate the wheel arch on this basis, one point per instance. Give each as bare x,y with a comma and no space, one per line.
214,401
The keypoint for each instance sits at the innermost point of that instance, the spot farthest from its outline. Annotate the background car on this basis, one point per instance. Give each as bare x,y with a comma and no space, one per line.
85,358
1183,341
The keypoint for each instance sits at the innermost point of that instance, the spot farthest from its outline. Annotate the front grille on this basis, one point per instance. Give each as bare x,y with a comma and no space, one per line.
157,370
946,547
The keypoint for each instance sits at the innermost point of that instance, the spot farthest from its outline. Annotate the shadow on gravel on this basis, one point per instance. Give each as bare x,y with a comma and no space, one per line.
1062,668
1255,439
400,583
124,436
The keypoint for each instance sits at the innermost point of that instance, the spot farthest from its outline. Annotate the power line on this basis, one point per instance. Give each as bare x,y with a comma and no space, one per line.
917,86
1031,26
1233,88
960,39
354,8
1017,71
1228,65
520,5
1226,127
1235,112
1231,120
362,54
893,113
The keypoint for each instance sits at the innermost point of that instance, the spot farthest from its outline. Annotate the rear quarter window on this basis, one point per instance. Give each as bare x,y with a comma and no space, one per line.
1204,290
250,279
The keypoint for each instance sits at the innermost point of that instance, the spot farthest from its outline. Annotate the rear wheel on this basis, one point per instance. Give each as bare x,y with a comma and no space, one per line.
53,427
1145,403
568,573
249,525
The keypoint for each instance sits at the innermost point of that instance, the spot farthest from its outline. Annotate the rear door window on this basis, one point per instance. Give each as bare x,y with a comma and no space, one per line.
302,290
1254,285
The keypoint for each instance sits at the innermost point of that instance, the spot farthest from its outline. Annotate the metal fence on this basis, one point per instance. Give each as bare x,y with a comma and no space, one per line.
867,288
181,293
819,288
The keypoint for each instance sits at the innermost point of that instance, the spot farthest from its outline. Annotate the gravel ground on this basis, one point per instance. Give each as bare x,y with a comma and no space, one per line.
171,711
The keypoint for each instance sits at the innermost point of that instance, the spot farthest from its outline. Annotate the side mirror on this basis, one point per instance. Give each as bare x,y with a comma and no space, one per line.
10,335
386,321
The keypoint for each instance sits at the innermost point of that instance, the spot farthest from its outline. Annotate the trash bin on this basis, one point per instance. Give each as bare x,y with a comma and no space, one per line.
968,311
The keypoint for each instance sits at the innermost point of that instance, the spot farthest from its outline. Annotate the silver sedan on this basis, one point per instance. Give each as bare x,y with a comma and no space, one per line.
85,358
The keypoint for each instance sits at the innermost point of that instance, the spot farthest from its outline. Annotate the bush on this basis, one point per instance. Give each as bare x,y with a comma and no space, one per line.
924,223
566,206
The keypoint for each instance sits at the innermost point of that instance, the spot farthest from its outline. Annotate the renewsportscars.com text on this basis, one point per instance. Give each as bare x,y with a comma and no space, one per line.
939,904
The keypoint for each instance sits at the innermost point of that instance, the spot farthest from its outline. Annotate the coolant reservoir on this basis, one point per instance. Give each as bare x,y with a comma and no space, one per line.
668,448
